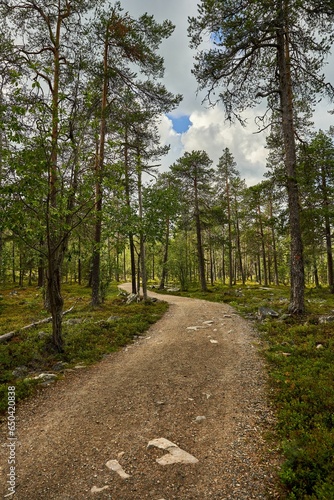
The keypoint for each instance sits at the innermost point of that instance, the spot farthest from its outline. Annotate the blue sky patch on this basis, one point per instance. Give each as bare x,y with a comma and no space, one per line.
181,123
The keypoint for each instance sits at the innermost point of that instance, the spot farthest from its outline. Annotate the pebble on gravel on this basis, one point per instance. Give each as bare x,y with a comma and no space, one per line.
115,466
95,489
175,454
200,419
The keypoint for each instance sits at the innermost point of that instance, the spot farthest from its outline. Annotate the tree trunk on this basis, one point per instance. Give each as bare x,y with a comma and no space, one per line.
242,272
2,267
99,161
200,253
142,238
328,236
297,305
165,260
223,263
41,270
315,272
21,270
133,263
13,262
96,257
329,254
79,263
117,266
263,247
56,242
128,203
138,275
273,238
229,223
259,276
153,264
124,264
212,278
56,304
53,275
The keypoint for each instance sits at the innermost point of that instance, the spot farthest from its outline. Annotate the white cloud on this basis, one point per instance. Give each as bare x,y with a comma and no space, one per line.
209,131
169,136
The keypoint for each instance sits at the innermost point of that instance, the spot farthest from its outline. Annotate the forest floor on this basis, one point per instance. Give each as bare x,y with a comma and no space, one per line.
196,379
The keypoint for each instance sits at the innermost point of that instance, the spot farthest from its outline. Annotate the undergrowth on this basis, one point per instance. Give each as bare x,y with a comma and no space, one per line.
300,352
89,333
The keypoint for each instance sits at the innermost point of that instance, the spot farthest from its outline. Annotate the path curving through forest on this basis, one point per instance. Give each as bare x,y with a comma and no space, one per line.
194,386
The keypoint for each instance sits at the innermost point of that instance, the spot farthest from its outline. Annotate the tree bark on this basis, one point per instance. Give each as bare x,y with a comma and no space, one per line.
273,238
223,260
229,224
212,278
2,269
128,203
241,266
55,258
200,253
328,235
263,247
142,241
99,161
297,305
315,272
165,259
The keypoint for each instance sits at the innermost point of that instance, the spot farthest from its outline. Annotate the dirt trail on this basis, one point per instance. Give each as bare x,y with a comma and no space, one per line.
156,388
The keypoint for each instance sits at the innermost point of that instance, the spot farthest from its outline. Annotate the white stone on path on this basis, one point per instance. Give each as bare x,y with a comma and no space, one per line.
115,466
213,341
200,419
97,490
195,328
175,454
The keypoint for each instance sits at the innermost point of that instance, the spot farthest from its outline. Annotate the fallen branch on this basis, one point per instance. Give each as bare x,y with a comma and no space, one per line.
9,335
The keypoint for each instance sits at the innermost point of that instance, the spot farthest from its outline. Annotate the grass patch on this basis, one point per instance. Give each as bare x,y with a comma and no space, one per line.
300,352
88,332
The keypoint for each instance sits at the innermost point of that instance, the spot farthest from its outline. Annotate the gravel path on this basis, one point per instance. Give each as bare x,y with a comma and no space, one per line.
203,389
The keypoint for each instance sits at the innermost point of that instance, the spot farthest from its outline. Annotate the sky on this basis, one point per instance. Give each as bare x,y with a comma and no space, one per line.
193,125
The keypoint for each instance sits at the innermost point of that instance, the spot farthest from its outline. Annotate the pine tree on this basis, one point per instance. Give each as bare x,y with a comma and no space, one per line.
194,172
273,50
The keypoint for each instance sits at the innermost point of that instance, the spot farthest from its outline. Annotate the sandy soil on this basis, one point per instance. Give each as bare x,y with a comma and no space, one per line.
155,388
